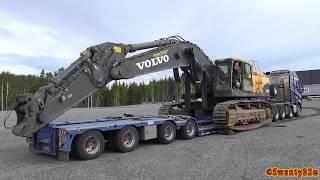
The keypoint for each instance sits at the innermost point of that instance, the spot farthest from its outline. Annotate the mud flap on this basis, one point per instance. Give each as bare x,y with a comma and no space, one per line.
63,156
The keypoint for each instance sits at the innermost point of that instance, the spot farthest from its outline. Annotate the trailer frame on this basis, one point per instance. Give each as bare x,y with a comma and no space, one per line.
57,138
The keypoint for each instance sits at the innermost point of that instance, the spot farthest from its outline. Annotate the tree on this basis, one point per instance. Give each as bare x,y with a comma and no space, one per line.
42,74
114,95
49,75
60,70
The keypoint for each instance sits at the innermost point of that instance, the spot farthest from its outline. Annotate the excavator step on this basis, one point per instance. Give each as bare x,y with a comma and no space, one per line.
220,122
206,130
44,141
204,122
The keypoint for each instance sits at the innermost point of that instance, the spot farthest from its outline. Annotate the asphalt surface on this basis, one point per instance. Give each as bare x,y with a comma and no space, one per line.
290,143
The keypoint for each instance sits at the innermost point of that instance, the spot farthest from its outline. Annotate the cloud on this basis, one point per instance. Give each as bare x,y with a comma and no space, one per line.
33,40
278,34
19,69
37,63
35,47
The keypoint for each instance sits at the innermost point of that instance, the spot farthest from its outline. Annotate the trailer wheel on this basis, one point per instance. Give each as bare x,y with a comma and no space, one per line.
89,145
188,131
298,113
276,114
289,113
282,112
167,132
126,139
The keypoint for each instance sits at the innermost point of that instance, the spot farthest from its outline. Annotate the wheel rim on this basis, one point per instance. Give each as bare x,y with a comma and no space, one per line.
190,129
92,145
128,139
168,133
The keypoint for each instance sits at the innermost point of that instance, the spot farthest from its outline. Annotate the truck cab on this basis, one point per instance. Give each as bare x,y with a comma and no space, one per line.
285,94
287,87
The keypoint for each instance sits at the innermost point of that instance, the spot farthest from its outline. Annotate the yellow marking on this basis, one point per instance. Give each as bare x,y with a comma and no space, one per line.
161,53
117,49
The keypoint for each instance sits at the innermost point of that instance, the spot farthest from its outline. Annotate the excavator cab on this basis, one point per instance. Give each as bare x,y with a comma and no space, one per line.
233,78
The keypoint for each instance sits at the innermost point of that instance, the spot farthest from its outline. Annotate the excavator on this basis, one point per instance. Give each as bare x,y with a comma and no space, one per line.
213,89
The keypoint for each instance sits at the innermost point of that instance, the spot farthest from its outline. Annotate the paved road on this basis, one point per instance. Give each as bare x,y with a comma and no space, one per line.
293,143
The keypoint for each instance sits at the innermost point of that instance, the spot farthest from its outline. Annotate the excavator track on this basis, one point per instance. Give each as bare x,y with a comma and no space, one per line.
230,116
241,115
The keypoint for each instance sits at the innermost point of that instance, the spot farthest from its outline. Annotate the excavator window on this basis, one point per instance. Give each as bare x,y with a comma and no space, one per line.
224,68
246,84
247,71
237,74
223,72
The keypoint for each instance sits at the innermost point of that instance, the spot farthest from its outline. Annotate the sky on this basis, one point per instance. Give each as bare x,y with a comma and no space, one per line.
278,34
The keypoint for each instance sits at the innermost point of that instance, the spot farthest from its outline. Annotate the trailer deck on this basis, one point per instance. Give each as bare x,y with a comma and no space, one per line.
57,138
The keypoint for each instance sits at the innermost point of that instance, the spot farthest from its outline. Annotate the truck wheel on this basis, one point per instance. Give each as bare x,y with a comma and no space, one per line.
298,113
188,131
167,132
282,112
89,145
290,113
126,139
276,114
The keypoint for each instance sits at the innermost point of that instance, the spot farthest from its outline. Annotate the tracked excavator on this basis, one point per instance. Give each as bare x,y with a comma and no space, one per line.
234,108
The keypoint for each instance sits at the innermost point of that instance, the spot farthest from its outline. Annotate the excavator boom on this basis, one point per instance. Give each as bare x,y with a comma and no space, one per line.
96,67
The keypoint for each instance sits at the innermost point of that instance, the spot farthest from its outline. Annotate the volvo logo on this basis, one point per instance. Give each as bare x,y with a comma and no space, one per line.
152,62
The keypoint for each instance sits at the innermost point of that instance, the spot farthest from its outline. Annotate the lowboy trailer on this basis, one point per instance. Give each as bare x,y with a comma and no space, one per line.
87,138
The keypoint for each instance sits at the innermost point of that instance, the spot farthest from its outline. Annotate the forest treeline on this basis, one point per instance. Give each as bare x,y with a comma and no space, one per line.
119,93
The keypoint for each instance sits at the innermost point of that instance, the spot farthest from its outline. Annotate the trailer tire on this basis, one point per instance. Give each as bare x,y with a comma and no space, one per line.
275,114
298,113
167,132
282,112
189,130
126,139
89,145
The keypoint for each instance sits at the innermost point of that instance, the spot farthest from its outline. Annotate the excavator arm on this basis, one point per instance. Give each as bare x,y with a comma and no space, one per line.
96,67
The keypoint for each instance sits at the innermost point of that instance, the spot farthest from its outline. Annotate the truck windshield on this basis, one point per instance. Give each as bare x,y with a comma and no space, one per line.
277,77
